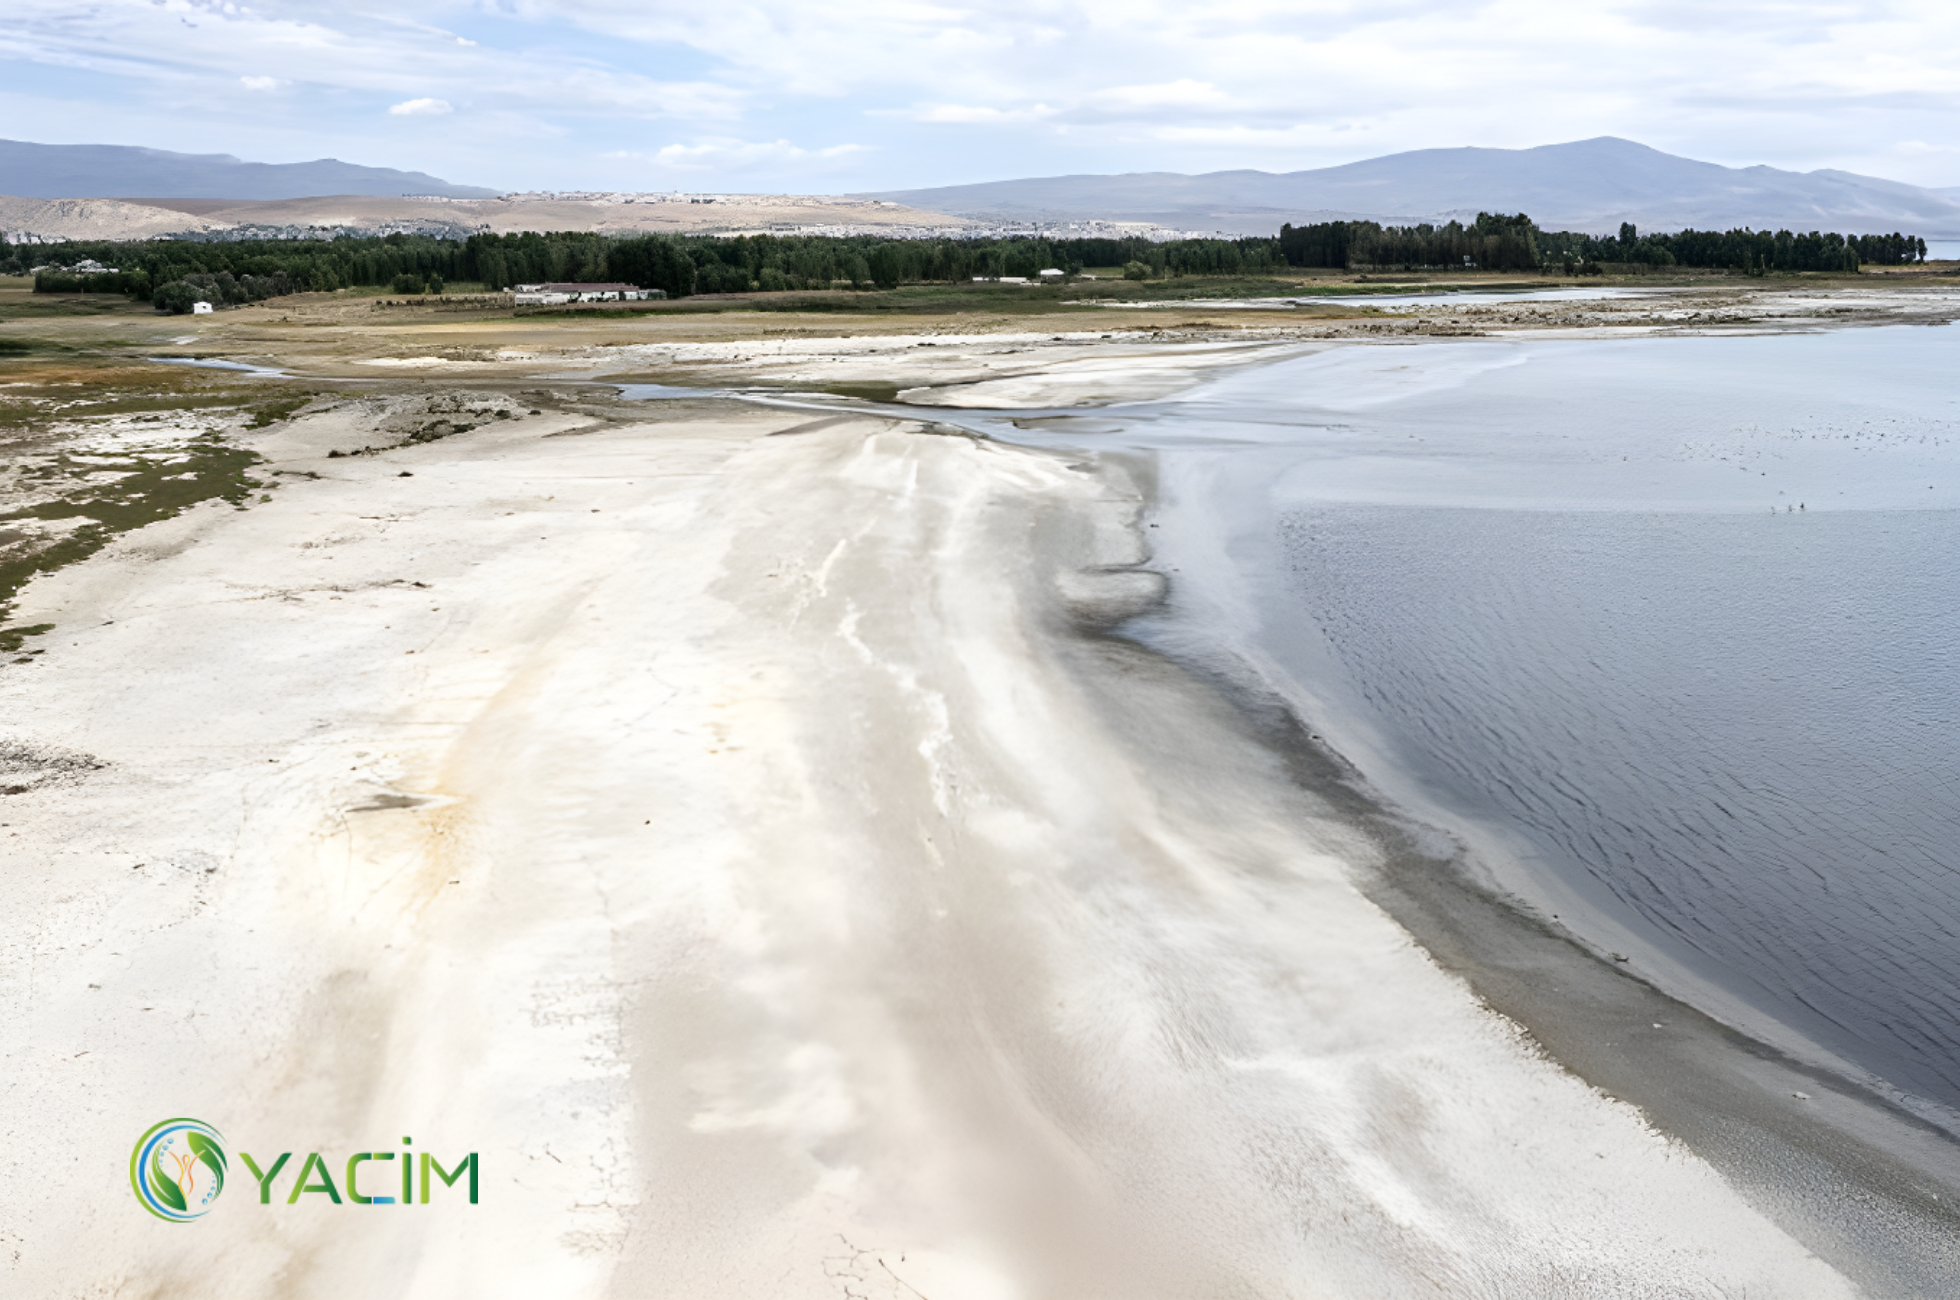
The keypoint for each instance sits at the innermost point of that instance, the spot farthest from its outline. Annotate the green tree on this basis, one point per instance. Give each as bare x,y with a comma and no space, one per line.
886,264
175,298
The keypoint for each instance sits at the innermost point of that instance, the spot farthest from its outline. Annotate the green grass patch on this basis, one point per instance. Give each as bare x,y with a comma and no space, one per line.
13,638
45,306
150,486
451,288
269,413
870,392
20,347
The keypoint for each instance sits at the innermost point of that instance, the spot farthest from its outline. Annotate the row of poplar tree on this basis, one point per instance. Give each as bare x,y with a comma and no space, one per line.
1498,242
175,273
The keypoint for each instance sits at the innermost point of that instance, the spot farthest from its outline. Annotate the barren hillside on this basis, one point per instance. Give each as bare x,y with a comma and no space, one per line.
91,219
620,213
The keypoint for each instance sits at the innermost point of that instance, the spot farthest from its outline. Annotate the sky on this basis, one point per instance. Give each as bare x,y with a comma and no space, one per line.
781,95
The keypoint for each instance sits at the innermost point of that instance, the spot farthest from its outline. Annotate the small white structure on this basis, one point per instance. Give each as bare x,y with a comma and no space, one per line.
200,309
89,266
1052,273
548,295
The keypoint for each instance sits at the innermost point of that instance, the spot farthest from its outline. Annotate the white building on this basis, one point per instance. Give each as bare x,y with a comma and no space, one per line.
200,309
548,295
1052,273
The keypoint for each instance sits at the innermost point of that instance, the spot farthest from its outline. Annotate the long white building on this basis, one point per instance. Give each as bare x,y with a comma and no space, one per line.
545,295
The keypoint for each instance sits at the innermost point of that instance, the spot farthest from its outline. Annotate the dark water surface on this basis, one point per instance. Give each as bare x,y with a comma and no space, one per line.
1678,618
1747,730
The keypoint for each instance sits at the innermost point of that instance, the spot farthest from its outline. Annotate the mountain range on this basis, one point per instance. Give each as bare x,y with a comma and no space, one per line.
90,171
1591,185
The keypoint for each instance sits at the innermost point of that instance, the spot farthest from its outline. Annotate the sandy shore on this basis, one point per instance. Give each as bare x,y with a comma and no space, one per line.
728,823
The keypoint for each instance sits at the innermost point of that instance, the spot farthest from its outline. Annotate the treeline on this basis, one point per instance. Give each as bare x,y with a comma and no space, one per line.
173,273
1889,250
1756,251
684,265
227,274
1493,242
680,264
1496,242
221,290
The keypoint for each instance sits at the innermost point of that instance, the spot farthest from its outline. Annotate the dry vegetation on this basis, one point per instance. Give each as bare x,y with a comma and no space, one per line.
98,437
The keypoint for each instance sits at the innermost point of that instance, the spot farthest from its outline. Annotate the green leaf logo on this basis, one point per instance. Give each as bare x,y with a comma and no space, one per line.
177,1169
211,1154
164,1187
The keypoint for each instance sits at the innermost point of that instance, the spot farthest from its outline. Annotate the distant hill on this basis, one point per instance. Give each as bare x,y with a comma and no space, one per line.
33,221
1590,185
86,171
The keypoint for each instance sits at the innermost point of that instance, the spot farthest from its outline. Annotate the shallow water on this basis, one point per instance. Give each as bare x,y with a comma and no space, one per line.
664,392
1454,297
215,363
1471,297
1673,623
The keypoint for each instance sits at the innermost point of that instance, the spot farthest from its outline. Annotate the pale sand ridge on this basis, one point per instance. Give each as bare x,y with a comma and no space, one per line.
735,842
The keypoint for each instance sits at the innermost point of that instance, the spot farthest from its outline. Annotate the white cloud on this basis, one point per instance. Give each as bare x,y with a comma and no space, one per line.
716,154
979,113
1179,98
420,108
1182,93
946,90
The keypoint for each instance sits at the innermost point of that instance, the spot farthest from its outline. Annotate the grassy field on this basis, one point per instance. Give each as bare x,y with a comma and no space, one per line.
19,302
93,445
1005,299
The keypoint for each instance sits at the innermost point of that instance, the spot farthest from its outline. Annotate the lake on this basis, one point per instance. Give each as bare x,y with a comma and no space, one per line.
1664,629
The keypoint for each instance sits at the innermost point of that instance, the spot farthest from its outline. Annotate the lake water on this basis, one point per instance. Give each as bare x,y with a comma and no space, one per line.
1671,626
1447,297
215,363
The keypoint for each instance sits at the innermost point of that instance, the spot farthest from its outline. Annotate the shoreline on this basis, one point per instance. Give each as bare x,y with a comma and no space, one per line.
1802,1132
1807,1133
1006,953
1804,1143
929,953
